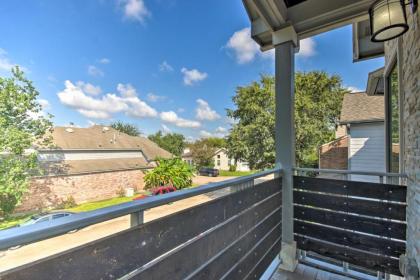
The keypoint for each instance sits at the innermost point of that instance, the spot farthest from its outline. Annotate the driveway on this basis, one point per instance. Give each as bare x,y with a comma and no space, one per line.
45,248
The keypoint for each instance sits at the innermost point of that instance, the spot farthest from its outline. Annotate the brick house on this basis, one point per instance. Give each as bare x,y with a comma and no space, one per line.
89,164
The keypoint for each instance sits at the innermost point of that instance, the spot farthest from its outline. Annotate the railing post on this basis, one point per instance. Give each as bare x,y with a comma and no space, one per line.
136,218
285,139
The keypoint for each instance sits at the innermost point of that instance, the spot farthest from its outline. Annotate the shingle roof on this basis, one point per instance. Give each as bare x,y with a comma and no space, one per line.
360,107
103,138
89,166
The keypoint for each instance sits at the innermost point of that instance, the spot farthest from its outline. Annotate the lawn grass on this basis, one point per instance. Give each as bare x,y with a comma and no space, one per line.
236,173
88,206
12,221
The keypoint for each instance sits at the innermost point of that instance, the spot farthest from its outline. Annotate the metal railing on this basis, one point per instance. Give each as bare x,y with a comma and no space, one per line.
384,177
37,232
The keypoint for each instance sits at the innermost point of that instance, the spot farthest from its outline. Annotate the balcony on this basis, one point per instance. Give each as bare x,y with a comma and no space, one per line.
356,229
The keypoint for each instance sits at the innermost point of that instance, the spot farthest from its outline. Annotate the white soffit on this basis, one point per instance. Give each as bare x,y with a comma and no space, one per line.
307,18
363,47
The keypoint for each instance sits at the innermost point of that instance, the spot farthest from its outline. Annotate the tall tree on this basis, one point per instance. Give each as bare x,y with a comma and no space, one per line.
203,151
172,142
126,128
318,98
21,125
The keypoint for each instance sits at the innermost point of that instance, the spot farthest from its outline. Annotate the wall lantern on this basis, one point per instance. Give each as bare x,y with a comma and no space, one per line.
388,19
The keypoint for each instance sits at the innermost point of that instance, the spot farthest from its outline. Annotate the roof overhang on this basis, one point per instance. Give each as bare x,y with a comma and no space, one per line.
375,83
363,47
307,18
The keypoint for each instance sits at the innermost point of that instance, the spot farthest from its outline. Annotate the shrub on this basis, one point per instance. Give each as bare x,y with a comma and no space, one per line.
120,192
68,202
232,168
169,171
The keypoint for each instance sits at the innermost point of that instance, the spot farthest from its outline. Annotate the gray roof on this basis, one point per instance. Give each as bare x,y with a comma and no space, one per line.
103,138
360,107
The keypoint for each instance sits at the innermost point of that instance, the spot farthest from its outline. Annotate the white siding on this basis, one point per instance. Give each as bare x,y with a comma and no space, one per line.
367,149
50,156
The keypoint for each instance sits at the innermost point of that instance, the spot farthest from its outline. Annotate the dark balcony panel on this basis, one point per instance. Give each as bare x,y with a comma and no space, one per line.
352,188
352,256
183,242
356,222
378,227
381,209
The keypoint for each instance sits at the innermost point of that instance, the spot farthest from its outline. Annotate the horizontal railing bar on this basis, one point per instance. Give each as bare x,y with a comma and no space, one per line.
36,232
354,172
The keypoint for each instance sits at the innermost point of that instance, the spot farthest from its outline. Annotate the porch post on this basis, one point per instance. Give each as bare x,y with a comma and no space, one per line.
285,144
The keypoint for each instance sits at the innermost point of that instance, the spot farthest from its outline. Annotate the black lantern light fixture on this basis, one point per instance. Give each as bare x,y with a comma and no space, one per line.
388,19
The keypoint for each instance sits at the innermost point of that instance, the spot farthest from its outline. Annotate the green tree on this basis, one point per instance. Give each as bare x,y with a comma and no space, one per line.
172,142
21,125
318,98
169,171
126,128
203,151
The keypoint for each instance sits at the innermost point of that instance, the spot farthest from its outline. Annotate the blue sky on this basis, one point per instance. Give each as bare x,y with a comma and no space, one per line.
160,64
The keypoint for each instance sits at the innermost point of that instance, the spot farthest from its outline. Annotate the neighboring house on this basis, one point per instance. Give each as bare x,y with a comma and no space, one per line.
89,164
222,161
360,143
187,156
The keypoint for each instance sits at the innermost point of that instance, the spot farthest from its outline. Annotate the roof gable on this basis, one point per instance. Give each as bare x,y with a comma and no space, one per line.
360,107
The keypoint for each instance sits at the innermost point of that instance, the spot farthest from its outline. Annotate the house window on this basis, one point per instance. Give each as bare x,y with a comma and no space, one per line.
218,156
218,162
393,121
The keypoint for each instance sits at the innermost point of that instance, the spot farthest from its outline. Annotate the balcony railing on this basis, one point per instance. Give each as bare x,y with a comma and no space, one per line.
362,224
234,236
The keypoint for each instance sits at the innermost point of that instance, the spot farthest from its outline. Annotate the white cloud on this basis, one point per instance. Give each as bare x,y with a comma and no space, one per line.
95,71
89,88
166,129
205,134
244,48
307,48
354,89
165,67
45,104
126,90
95,114
204,112
221,129
6,64
181,110
154,97
104,60
193,76
135,10
103,107
172,117
91,123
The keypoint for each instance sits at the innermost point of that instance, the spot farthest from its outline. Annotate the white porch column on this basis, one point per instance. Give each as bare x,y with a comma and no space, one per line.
285,144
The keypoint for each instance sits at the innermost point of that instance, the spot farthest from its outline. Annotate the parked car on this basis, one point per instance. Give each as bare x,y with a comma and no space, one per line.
46,217
207,171
163,190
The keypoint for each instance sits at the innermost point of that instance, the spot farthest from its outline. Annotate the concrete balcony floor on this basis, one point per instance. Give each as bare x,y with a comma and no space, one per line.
304,272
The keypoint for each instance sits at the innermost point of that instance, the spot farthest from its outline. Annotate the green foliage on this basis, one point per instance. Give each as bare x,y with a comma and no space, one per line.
120,192
203,150
68,202
21,125
126,128
172,171
171,142
232,168
318,98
